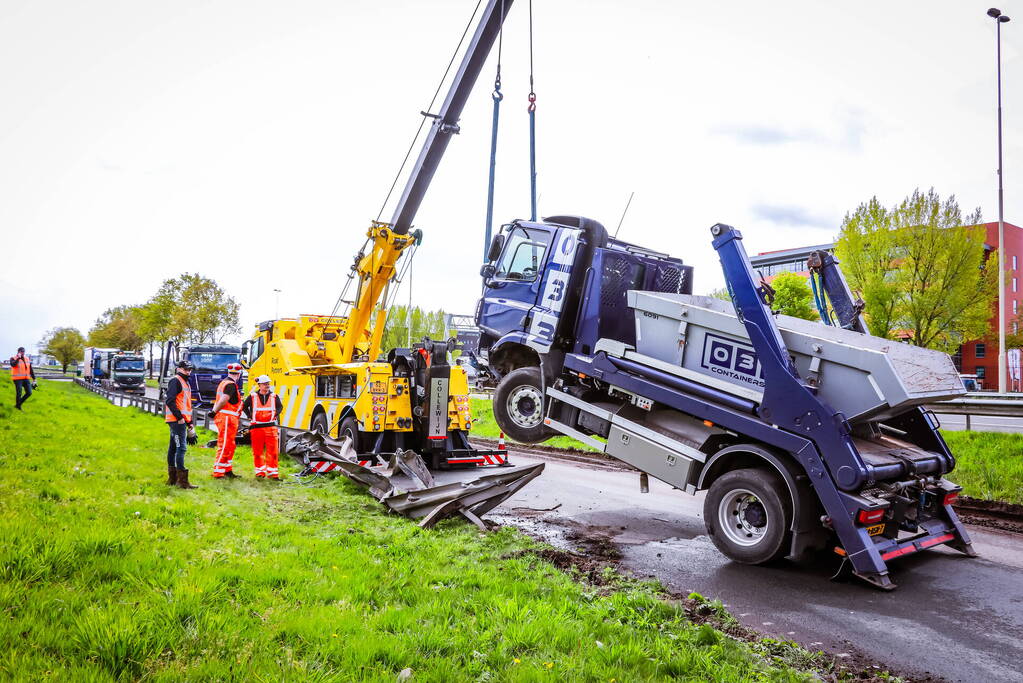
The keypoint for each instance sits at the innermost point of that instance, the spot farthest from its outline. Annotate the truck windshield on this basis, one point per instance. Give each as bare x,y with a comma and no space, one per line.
523,254
126,365
212,362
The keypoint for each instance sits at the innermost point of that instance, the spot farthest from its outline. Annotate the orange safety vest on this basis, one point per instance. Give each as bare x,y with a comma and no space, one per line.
183,401
229,408
263,412
21,368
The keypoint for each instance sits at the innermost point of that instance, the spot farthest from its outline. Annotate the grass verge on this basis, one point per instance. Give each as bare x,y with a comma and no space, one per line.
989,465
107,573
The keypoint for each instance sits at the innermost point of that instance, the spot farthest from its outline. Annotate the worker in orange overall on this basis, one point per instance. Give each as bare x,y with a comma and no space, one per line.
226,411
263,407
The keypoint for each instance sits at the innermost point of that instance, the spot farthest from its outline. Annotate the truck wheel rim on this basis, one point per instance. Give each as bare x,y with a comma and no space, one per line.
743,518
524,406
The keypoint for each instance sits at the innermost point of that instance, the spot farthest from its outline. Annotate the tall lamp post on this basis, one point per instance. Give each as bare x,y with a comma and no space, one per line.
1000,19
277,305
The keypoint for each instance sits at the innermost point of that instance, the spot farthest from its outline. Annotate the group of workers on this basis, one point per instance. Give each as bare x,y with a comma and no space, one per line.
262,407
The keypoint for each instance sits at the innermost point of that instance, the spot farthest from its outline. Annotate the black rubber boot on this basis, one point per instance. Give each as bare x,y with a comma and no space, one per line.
172,475
231,475
183,480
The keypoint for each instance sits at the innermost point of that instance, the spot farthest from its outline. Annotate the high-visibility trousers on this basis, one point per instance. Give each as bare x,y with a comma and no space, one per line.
227,430
264,451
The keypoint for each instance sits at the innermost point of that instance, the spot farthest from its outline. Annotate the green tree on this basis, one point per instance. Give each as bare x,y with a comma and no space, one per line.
190,308
867,250
66,344
721,293
119,327
792,296
205,313
158,318
422,324
921,268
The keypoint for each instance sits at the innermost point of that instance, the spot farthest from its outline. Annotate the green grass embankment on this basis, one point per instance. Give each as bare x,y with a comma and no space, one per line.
107,573
989,465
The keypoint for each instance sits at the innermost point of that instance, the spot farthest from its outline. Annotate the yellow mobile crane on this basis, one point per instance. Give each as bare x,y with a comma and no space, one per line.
328,369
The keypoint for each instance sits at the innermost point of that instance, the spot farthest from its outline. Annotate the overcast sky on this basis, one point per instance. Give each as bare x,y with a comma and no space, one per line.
253,141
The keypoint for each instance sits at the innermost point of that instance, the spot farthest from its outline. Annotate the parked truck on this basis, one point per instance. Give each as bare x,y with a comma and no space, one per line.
805,436
210,361
115,370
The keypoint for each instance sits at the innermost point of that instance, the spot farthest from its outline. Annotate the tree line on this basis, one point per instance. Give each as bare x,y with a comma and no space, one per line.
190,308
920,266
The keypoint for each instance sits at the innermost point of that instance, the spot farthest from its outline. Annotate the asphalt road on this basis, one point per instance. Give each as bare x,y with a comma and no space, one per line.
952,617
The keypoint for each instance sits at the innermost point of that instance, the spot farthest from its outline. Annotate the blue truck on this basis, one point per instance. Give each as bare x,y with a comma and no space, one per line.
807,437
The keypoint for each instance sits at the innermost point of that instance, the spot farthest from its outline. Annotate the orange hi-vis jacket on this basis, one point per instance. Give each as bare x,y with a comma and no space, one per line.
229,408
183,401
21,368
264,409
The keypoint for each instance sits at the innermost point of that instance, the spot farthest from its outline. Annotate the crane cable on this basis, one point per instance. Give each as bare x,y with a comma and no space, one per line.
497,96
408,153
532,122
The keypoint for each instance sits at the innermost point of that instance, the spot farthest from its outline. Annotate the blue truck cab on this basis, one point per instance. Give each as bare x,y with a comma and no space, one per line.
805,436
531,311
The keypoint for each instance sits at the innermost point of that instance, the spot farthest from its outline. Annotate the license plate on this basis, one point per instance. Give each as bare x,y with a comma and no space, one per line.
875,530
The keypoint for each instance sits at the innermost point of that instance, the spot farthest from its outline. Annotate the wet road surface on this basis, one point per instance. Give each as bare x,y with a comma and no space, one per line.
952,617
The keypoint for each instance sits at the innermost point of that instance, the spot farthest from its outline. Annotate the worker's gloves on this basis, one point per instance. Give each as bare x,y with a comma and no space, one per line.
192,438
35,385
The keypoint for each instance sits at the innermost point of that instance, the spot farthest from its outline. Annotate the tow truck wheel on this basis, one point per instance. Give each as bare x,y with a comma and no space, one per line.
746,516
319,424
518,406
349,427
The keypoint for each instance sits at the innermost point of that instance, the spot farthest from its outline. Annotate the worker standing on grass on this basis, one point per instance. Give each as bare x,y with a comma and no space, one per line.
226,409
263,406
23,375
178,410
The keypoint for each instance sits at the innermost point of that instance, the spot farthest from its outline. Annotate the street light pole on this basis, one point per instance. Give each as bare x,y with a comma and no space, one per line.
277,306
1000,19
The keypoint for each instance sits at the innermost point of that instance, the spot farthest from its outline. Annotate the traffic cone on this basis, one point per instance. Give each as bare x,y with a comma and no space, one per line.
500,443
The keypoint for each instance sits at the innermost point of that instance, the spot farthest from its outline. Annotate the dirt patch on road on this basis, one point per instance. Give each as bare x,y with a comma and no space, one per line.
594,559
990,514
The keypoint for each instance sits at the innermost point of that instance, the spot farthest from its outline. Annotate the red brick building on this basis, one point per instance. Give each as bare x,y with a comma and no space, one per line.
981,357
977,357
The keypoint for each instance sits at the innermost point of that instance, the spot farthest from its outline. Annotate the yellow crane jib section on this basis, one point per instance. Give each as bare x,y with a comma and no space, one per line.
374,270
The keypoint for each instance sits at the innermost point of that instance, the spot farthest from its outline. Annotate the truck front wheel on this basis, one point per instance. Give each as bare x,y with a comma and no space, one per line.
747,516
518,406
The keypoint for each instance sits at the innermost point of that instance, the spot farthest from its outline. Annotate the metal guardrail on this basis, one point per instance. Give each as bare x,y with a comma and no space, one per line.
981,404
154,406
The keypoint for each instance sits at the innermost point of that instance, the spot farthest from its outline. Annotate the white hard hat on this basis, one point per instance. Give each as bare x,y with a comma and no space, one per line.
263,379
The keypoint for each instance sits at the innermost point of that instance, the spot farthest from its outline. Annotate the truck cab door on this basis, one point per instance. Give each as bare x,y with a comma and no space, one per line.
511,292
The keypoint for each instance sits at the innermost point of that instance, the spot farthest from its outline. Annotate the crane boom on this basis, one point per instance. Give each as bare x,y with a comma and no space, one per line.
389,240
445,122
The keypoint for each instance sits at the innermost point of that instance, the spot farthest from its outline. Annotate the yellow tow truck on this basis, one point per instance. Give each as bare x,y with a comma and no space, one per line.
329,370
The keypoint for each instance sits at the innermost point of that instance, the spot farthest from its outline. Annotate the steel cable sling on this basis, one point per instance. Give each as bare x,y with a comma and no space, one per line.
497,96
532,123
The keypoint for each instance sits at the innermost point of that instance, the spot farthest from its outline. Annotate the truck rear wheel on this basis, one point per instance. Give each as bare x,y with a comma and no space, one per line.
747,516
518,406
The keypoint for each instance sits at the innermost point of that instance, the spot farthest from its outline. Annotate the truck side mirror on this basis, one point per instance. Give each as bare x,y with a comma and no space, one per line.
496,245
488,270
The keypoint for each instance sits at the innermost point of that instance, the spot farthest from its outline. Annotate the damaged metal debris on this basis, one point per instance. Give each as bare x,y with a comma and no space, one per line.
405,485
